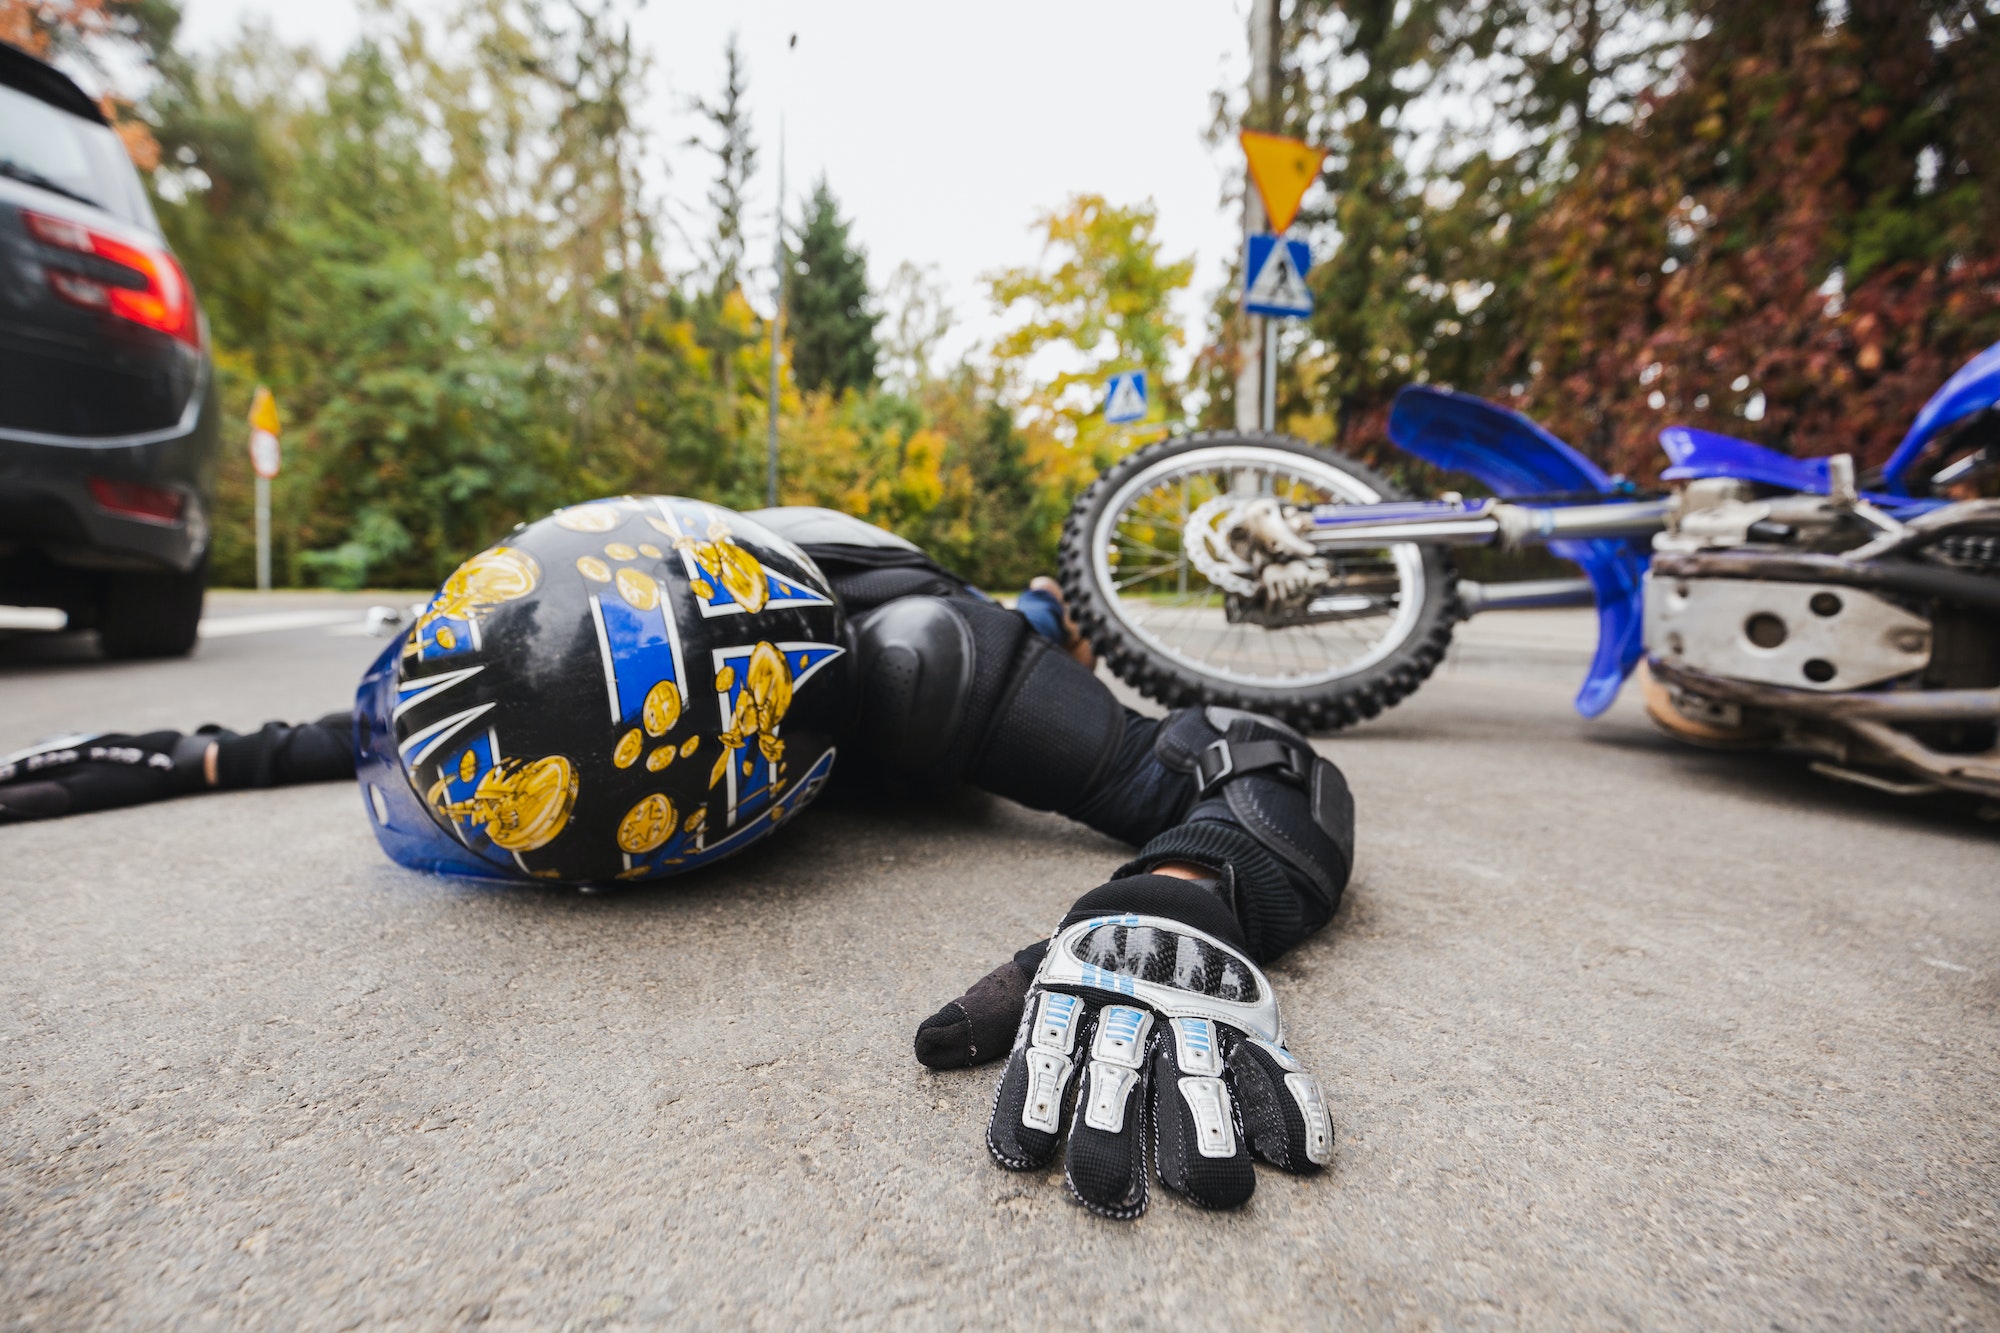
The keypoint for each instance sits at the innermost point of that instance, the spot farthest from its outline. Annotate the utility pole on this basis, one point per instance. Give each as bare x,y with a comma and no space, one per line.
777,316
1256,381
777,330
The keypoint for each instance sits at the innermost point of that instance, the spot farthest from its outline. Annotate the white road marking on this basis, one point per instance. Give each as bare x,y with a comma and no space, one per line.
270,622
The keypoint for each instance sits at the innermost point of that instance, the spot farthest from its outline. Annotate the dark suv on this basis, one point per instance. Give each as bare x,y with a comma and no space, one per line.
107,397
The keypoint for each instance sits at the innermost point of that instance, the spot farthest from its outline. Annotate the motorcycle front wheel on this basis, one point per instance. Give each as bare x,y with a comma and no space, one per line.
1168,631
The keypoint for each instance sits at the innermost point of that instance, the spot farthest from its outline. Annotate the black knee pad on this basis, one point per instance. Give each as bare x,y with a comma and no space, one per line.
962,690
917,657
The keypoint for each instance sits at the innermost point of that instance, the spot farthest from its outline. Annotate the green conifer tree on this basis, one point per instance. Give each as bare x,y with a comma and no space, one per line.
832,320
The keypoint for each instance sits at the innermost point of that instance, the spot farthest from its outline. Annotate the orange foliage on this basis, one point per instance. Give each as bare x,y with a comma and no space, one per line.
46,27
38,26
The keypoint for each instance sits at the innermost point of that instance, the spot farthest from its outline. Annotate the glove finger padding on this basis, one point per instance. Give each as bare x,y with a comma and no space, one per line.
1105,1163
1033,1096
1283,1111
1201,1153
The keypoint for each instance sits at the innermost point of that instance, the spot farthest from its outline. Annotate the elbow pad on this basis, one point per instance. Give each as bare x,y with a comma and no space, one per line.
1272,818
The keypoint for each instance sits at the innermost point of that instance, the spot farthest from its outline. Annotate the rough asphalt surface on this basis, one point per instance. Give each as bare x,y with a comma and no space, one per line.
1616,1035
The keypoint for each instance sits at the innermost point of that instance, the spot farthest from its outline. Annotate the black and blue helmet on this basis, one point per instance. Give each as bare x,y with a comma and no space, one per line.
623,690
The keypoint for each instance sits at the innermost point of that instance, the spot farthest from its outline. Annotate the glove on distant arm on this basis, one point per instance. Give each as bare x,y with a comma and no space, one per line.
74,775
1148,1029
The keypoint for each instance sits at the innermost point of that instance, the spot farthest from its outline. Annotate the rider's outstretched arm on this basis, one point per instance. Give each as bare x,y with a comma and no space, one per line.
958,690
73,775
1144,1023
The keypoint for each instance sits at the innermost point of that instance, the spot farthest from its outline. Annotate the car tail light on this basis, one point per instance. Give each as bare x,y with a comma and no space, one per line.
166,303
155,504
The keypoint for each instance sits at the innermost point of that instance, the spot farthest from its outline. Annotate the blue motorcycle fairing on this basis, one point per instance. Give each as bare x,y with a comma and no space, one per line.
1505,450
1513,456
1975,388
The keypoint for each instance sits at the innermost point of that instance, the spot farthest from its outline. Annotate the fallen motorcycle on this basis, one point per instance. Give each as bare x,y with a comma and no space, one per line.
1773,600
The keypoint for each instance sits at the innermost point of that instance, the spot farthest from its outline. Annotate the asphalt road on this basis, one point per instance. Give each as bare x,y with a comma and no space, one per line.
1616,1034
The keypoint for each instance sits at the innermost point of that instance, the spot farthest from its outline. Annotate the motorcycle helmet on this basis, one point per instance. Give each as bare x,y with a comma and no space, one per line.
624,690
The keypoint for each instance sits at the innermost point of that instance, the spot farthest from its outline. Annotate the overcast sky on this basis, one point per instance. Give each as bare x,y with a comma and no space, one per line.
943,128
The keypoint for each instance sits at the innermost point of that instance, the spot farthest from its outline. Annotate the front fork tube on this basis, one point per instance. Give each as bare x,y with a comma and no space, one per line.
1479,523
1597,536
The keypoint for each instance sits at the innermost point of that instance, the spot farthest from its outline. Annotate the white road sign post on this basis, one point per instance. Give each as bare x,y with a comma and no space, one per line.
1275,287
265,458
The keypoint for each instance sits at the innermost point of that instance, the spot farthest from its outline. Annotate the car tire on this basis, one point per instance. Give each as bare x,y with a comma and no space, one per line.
151,615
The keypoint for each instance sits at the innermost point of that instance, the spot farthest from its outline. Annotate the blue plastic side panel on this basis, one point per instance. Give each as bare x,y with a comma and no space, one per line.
1974,388
1701,453
1514,456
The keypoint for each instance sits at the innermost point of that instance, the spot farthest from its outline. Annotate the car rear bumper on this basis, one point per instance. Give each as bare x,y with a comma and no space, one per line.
47,507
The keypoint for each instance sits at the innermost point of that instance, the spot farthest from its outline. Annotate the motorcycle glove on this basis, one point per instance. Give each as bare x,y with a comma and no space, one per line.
75,775
1150,1033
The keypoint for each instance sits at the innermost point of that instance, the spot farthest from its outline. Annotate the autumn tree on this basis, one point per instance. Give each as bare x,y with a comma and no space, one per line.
727,324
1450,125
100,34
915,320
1101,302
1799,241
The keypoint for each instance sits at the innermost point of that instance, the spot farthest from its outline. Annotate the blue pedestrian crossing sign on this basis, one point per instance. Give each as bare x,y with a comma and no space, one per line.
1276,270
1125,398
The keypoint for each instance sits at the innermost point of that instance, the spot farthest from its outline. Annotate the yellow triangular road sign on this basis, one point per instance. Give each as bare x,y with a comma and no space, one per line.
264,411
1283,169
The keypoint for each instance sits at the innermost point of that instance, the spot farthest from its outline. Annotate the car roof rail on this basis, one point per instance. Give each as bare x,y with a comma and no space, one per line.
44,82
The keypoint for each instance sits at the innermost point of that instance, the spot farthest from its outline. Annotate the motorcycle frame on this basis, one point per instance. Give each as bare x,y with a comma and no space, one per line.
1547,494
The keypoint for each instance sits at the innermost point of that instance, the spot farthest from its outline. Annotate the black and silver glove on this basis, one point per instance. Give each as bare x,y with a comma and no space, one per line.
1145,1023
74,775
1149,1030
